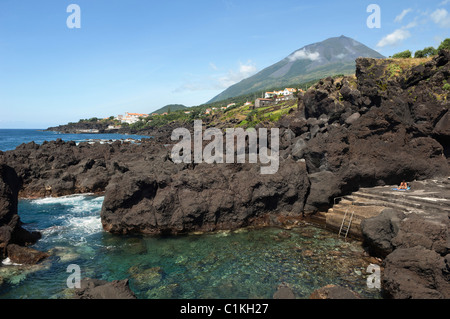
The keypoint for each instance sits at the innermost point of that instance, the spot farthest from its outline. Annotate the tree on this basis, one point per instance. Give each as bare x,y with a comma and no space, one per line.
429,51
402,55
419,54
445,44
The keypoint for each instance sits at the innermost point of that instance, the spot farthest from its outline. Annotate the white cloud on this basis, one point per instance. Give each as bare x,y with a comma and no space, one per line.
233,77
394,38
443,3
218,81
213,66
304,55
441,17
400,17
411,25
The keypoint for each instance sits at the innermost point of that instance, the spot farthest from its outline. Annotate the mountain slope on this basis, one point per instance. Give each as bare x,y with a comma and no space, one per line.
314,61
171,108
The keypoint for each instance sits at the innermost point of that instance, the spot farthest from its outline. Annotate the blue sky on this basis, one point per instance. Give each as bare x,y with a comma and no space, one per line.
139,55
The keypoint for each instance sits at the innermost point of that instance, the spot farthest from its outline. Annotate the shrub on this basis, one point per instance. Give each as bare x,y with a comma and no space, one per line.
445,44
429,51
402,55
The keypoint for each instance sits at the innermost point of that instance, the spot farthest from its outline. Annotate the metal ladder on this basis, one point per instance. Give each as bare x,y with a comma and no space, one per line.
345,228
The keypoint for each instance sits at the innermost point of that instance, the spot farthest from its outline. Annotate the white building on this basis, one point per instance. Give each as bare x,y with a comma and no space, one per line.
285,92
130,118
289,91
269,95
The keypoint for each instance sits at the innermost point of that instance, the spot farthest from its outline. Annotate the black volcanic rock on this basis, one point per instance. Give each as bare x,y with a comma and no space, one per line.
60,168
416,248
386,125
101,289
379,231
12,234
25,255
203,198
416,273
399,134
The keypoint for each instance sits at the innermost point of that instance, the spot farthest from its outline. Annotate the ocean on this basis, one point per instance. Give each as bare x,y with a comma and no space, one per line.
11,138
242,264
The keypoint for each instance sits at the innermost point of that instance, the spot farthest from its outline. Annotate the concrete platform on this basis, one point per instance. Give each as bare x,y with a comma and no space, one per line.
427,197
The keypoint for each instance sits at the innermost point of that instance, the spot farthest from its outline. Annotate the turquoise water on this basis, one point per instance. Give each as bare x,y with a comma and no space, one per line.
10,139
248,263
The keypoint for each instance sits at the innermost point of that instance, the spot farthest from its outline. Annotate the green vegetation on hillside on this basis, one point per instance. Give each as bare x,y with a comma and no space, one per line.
402,55
429,51
246,116
445,44
426,52
198,112
242,115
94,120
171,108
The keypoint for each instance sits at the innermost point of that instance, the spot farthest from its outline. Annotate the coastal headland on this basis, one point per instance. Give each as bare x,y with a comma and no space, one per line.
389,123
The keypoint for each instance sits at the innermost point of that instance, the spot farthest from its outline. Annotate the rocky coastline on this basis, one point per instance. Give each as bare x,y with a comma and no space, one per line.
14,239
378,128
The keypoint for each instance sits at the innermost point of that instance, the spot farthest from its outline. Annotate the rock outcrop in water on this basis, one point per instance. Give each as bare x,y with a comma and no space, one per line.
204,198
60,168
13,237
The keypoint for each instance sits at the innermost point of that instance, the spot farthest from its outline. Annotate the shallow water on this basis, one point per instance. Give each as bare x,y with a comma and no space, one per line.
248,263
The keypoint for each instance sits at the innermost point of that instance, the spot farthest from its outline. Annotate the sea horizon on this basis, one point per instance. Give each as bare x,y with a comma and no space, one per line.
12,138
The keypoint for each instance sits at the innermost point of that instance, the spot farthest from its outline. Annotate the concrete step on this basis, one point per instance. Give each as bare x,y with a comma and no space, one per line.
434,194
363,200
336,214
426,197
366,201
408,201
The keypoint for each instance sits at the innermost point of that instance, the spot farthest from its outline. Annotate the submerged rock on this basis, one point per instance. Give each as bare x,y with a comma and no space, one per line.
284,292
146,277
65,254
284,234
334,292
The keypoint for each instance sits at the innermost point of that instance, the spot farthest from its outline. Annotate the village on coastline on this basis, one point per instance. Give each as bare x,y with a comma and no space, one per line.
270,98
